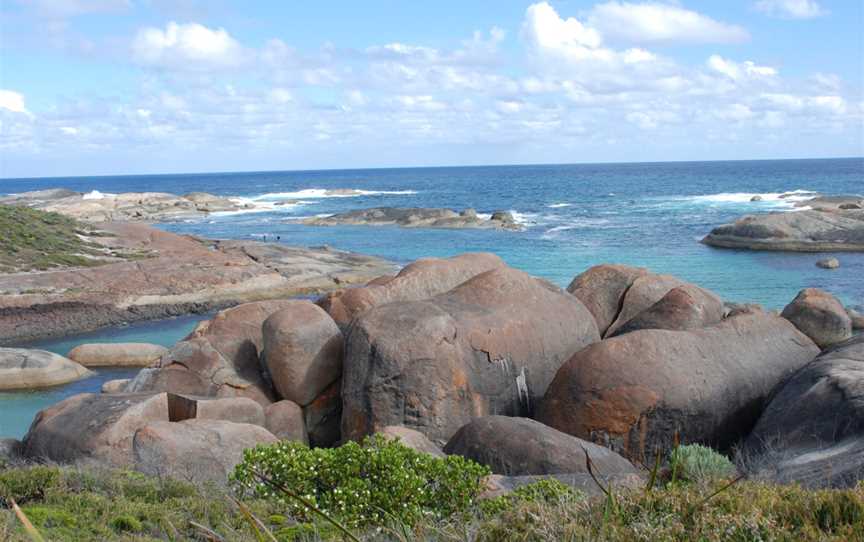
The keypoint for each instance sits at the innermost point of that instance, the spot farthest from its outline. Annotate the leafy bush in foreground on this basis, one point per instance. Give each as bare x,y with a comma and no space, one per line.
371,483
697,463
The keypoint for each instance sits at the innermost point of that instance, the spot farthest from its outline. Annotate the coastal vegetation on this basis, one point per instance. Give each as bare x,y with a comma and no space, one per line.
39,240
440,501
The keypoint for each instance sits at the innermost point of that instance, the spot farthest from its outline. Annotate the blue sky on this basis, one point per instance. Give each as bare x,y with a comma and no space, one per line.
90,87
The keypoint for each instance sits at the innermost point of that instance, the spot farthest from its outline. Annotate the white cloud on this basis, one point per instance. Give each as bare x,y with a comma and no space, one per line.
13,101
189,46
740,71
544,28
791,9
653,22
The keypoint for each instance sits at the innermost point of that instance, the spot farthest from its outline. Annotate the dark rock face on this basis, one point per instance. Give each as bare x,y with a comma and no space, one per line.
634,392
684,307
415,217
825,228
323,416
489,346
196,450
421,279
812,431
303,351
602,288
519,446
99,427
820,316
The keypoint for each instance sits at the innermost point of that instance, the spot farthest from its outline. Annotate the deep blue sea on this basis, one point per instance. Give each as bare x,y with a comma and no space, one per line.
575,216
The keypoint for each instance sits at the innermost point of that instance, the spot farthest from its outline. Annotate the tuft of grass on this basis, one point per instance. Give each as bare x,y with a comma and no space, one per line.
697,463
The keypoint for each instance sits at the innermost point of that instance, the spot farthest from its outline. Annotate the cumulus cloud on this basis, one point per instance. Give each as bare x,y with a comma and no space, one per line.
189,46
654,22
13,101
791,9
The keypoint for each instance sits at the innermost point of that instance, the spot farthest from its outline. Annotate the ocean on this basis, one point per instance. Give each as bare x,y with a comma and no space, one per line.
574,216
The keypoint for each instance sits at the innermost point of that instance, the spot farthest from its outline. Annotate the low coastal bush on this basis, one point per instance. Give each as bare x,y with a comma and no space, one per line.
370,483
544,492
697,463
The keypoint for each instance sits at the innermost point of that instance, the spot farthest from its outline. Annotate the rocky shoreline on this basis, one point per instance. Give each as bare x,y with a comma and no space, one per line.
177,275
468,356
827,224
416,217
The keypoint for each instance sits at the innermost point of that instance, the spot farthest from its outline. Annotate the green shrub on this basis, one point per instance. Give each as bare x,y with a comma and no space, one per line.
372,483
126,523
26,485
697,463
545,491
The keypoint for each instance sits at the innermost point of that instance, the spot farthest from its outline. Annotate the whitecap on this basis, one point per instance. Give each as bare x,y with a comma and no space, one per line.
319,193
559,205
93,194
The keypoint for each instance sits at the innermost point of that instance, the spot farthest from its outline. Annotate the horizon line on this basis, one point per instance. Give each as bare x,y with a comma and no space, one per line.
527,164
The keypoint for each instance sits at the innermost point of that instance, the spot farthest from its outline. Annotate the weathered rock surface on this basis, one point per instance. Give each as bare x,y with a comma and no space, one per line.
117,354
180,275
820,316
489,346
303,351
634,392
833,224
602,288
419,280
195,450
145,206
230,409
519,446
219,358
828,263
641,295
812,431
683,307
91,426
22,369
412,439
285,420
415,217
115,386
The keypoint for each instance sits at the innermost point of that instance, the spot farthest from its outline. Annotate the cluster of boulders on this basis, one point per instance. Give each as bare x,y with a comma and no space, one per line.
469,356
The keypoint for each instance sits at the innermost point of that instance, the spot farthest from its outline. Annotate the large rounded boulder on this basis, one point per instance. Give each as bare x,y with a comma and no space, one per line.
602,287
820,316
22,369
302,350
683,307
519,446
195,450
285,420
92,426
489,346
812,431
645,291
636,392
421,279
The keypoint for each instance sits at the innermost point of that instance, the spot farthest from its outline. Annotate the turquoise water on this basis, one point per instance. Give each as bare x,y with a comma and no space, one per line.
18,408
575,216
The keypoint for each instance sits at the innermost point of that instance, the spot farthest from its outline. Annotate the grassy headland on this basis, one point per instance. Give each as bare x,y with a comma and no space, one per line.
37,240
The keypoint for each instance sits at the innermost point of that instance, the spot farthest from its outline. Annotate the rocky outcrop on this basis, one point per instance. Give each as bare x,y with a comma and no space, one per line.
828,263
519,446
22,369
144,206
303,351
820,316
414,217
421,279
285,420
219,358
117,354
415,440
683,307
602,288
177,275
812,431
489,346
91,426
641,295
833,224
195,450
636,392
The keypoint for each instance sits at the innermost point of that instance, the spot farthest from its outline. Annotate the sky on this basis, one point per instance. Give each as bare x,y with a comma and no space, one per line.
109,87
